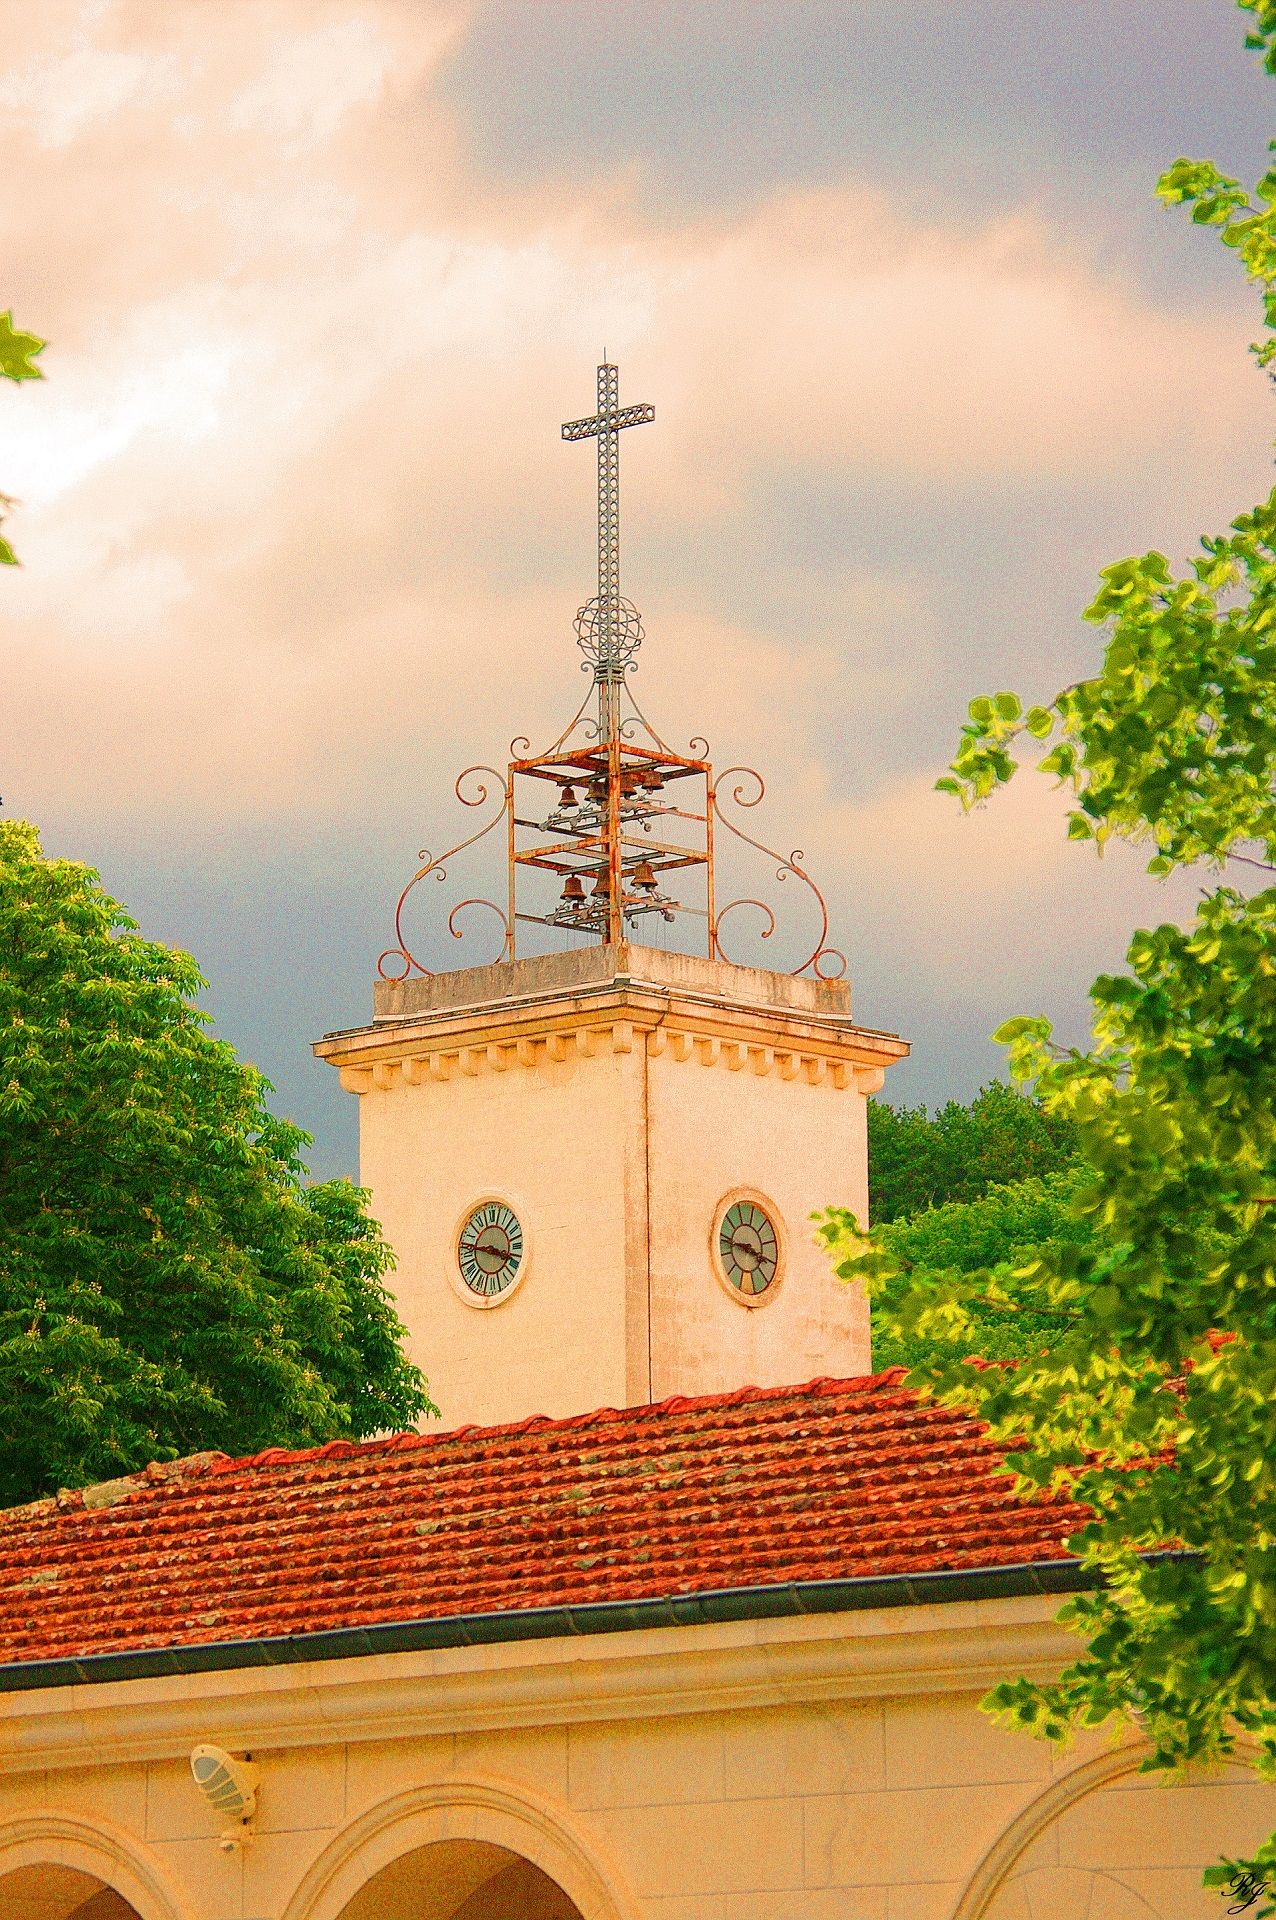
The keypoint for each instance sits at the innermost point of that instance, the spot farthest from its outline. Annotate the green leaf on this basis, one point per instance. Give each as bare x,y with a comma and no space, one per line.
18,351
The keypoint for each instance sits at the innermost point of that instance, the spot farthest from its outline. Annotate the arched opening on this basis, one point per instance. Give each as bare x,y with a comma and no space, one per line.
1108,1842
456,1880
60,1893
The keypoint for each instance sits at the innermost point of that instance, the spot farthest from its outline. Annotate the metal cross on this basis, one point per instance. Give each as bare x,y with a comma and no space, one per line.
605,426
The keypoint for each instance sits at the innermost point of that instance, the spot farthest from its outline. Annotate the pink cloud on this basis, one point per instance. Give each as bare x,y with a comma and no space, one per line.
295,477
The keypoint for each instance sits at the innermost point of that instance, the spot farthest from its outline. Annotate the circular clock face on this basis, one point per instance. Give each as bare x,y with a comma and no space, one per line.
489,1250
748,1247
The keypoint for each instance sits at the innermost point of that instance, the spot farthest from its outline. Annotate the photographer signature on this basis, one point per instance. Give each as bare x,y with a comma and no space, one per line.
1246,1888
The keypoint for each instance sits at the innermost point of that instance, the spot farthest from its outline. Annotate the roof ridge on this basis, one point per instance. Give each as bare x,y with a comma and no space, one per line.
344,1448
105,1493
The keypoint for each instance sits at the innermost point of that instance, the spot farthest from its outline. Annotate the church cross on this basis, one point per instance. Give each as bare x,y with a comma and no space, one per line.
605,426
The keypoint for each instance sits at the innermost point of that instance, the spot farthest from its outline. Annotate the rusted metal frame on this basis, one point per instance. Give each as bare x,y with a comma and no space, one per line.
709,873
553,863
570,827
512,869
661,857
664,859
583,845
587,760
598,759
671,813
547,865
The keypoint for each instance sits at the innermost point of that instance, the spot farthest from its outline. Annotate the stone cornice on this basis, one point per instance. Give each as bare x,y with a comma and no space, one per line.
652,1671
618,1017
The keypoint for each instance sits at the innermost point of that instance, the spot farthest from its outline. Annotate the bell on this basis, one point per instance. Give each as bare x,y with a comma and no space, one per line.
567,799
652,780
602,884
573,891
644,876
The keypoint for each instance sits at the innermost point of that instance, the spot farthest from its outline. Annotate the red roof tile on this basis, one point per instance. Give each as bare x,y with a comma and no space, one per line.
837,1479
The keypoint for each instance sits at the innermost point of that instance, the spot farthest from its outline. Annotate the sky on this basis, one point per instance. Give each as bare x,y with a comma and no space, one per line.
321,278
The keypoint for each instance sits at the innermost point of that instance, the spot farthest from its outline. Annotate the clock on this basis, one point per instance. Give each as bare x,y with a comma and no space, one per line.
489,1250
749,1249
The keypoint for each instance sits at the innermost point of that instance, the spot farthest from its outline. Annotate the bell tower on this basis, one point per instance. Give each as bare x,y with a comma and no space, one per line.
597,1163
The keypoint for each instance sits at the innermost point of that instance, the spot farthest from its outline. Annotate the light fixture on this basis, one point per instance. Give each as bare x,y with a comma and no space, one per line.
229,1784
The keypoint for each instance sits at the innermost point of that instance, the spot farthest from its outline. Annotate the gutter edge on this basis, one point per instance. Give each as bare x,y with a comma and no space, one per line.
714,1607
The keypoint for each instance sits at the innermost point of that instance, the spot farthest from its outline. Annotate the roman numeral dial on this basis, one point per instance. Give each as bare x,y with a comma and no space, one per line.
749,1248
489,1249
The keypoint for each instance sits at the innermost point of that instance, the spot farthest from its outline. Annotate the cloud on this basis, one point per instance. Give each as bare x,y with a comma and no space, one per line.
300,536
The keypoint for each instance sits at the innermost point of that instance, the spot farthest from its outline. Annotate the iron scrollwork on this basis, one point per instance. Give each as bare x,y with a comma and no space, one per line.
824,961
437,868
609,813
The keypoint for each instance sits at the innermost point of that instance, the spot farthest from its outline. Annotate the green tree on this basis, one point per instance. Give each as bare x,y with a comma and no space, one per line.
1166,1430
168,1281
916,1160
17,362
993,1237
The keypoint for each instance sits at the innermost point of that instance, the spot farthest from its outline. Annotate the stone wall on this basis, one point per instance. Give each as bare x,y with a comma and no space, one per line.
799,1770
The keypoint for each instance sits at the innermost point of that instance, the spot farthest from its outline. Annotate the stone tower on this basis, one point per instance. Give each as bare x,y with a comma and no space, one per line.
597,1166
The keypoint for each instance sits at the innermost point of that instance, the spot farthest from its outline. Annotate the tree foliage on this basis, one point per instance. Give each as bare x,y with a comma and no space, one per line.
1262,35
934,1253
17,362
168,1282
916,1160
1157,1403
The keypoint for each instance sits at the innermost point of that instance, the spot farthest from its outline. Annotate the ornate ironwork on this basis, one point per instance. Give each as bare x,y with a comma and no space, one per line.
437,868
609,810
826,962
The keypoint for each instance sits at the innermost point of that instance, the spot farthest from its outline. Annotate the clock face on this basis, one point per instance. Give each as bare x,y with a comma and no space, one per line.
748,1247
489,1250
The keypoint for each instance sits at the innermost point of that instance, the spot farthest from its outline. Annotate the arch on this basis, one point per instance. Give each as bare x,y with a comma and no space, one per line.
491,1812
103,1853
460,1880
59,1893
1001,1859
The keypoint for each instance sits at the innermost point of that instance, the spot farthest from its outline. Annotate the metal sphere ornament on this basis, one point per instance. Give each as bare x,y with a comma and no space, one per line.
609,634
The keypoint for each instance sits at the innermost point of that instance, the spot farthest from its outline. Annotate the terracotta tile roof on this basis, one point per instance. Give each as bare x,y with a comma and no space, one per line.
829,1481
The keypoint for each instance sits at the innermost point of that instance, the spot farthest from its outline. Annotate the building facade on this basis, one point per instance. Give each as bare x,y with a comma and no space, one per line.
719,1659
